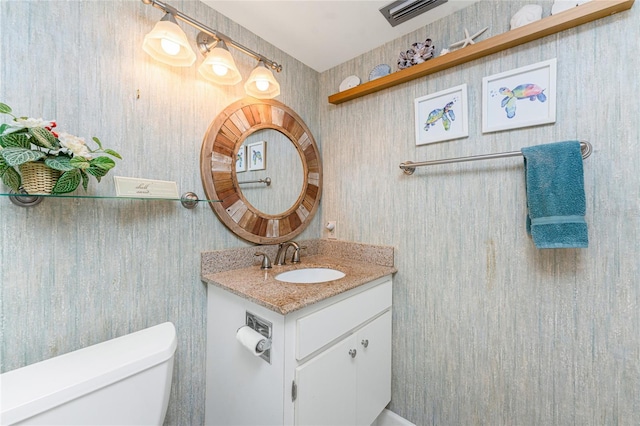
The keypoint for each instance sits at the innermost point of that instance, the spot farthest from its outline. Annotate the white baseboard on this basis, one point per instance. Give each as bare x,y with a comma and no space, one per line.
389,418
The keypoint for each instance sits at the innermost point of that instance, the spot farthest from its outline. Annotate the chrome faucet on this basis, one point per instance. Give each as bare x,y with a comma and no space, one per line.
282,253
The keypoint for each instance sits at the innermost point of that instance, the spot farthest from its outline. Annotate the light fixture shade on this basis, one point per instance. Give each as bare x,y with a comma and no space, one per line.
165,37
261,83
219,66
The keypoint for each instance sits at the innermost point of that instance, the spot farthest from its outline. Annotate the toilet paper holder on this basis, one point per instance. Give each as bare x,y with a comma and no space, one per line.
263,327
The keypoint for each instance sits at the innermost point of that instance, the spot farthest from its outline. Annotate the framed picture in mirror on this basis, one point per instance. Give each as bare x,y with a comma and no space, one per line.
241,160
257,155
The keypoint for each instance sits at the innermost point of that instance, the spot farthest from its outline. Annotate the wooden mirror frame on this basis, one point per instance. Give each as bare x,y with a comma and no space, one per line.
220,146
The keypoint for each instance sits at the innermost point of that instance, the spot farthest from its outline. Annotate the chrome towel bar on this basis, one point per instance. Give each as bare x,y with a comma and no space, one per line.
408,167
266,180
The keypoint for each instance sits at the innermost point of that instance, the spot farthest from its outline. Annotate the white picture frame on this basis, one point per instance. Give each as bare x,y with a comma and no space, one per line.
442,116
522,97
241,159
257,155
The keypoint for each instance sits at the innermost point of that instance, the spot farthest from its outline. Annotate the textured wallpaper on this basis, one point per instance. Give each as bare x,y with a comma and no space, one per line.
488,329
78,272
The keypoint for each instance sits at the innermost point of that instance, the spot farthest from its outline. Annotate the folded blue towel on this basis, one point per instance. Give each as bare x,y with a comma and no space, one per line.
555,195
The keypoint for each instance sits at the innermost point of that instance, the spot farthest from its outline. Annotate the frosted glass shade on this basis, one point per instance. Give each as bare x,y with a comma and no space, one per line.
261,83
168,44
219,66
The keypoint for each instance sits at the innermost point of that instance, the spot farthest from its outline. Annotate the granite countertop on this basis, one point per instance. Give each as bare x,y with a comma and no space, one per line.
261,287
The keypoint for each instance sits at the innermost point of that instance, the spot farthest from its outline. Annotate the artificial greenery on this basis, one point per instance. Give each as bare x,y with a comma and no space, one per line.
30,139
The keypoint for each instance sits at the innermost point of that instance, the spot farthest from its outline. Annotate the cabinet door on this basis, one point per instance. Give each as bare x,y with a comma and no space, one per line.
326,387
373,366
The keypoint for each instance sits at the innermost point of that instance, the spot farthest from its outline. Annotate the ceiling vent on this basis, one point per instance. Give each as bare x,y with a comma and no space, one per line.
403,10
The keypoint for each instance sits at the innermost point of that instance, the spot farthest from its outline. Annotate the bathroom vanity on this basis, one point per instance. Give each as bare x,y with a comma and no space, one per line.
330,358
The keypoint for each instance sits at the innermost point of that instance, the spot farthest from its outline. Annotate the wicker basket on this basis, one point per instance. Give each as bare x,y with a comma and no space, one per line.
38,178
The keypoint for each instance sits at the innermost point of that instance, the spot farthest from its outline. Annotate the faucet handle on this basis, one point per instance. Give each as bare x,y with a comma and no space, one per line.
296,254
266,262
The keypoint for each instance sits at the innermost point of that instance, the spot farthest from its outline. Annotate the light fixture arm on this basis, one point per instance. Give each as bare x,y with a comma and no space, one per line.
203,41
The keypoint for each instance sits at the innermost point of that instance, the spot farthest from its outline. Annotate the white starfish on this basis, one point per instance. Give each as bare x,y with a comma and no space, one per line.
468,39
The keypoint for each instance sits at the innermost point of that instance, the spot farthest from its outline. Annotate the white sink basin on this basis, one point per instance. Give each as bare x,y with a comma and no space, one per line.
310,275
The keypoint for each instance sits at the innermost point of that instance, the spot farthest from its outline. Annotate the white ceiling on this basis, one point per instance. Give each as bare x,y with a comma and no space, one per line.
323,34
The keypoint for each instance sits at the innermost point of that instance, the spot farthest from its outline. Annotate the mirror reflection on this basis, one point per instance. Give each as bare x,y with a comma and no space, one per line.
269,154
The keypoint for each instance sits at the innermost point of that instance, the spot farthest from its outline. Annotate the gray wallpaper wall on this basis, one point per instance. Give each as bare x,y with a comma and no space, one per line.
78,272
488,329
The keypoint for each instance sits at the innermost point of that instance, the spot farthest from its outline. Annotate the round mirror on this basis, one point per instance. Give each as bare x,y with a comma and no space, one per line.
272,184
260,160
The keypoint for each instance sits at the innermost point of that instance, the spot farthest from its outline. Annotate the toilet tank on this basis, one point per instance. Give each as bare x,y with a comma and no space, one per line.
124,381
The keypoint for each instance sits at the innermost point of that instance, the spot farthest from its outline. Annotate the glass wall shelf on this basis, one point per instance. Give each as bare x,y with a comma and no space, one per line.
188,200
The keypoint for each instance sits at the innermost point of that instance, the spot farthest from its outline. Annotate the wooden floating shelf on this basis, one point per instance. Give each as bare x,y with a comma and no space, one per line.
587,12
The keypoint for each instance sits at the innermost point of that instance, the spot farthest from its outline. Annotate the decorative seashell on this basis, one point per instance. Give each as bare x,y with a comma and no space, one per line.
562,5
526,15
444,51
417,54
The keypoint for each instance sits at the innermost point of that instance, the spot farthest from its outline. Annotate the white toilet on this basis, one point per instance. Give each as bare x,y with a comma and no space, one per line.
124,381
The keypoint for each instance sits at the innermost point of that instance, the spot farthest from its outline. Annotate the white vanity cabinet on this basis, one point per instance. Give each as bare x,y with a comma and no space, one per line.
350,382
330,361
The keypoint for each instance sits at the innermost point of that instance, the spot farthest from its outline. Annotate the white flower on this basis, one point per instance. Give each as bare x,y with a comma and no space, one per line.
27,123
75,144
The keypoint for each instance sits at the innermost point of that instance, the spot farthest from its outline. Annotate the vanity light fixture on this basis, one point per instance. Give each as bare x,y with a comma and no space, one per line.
218,66
168,44
261,83
165,44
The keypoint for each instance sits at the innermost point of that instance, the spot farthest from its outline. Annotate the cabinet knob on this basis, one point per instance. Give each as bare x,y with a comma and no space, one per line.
353,353
365,343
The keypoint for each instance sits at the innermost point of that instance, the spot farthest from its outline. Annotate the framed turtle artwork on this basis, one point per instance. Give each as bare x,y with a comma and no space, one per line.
518,98
241,159
442,116
257,155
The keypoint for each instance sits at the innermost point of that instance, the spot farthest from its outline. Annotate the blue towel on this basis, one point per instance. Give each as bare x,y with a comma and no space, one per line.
555,195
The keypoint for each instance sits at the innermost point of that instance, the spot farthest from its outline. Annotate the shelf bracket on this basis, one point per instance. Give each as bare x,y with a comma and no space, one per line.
23,199
189,200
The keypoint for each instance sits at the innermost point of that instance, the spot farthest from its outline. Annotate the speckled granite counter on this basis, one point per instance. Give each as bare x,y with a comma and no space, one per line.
238,271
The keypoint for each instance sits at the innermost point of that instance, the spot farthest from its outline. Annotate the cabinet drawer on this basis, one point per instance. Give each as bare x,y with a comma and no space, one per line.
319,328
